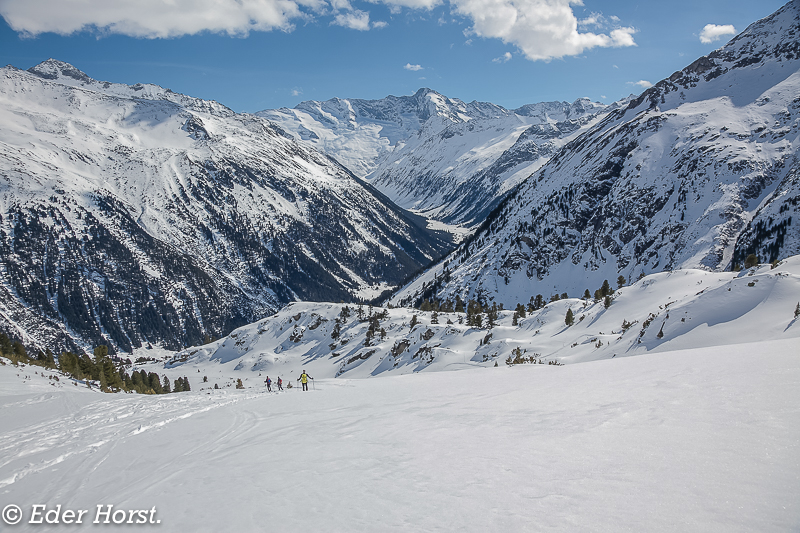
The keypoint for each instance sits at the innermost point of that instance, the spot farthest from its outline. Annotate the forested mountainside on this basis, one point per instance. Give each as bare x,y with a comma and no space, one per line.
133,215
699,171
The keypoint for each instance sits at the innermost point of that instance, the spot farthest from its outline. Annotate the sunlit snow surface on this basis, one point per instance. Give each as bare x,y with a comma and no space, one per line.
695,440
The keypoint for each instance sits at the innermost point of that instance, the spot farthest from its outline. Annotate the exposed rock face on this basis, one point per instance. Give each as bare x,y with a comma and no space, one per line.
448,160
697,172
133,215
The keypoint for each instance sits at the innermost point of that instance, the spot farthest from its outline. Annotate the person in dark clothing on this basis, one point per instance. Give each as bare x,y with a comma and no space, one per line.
269,384
304,379
280,383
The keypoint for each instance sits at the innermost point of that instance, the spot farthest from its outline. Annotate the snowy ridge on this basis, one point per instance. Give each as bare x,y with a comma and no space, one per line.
134,215
667,311
445,159
697,172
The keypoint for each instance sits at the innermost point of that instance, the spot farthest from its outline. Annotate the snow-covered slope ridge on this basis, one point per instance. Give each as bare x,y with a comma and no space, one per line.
665,311
698,172
439,156
131,214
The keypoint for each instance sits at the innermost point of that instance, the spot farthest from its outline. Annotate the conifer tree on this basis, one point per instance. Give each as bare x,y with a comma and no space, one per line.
570,318
177,385
751,261
587,295
103,381
620,281
797,310
515,319
459,305
605,290
165,388
435,317
491,316
337,329
607,302
186,386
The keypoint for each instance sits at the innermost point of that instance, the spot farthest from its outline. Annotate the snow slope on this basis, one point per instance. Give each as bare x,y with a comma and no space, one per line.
448,160
133,215
668,311
695,440
697,172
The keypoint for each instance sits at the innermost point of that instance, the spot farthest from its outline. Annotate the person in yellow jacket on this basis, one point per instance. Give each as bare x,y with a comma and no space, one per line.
304,379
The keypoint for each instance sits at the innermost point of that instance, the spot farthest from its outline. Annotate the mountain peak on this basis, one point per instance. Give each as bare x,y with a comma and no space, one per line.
53,69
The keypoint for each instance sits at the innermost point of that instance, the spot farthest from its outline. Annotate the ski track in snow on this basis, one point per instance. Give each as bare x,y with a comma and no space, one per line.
694,440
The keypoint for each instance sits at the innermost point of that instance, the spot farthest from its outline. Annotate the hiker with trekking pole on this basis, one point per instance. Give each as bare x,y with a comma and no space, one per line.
269,384
280,384
304,380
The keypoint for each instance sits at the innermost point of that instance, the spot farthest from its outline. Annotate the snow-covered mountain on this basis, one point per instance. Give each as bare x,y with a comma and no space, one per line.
697,172
445,159
133,215
666,311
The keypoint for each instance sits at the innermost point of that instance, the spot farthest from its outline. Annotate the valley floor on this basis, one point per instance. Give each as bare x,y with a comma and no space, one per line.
693,440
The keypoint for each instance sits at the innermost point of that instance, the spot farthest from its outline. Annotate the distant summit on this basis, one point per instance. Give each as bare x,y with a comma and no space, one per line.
445,159
53,69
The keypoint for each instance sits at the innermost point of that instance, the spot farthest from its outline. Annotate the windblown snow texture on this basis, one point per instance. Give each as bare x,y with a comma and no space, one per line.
133,215
697,172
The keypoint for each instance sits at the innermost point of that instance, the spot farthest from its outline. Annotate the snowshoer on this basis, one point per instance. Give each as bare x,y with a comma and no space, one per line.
269,384
304,380
280,383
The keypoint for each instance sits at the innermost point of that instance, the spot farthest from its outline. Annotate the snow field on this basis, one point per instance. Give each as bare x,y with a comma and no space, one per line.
694,440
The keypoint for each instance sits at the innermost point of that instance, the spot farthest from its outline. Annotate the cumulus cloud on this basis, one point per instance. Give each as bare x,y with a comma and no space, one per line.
713,32
541,29
355,20
154,18
412,68
505,58
644,84
380,24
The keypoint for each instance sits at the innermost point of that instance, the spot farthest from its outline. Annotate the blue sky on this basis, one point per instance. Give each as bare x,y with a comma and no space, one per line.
260,54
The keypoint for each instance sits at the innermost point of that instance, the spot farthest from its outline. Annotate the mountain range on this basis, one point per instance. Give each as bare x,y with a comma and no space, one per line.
447,160
699,171
133,215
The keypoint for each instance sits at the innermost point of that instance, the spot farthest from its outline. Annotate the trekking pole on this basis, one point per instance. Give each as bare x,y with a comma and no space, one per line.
313,386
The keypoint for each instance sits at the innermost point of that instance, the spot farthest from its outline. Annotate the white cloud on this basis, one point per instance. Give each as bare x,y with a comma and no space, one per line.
713,32
153,18
541,29
644,84
297,92
341,5
413,68
505,58
355,20
380,24
413,4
